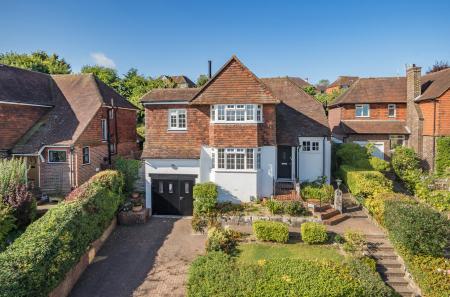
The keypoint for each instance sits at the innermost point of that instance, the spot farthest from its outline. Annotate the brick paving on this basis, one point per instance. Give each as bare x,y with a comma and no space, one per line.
143,260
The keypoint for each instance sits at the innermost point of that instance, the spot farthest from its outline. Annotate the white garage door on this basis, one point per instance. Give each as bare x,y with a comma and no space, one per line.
378,148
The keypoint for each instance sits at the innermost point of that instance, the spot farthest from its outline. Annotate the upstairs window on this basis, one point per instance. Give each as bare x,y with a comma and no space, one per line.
177,119
86,155
362,110
236,113
392,110
104,125
57,156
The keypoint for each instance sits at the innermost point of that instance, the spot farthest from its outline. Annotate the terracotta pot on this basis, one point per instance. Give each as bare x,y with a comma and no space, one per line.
135,195
137,208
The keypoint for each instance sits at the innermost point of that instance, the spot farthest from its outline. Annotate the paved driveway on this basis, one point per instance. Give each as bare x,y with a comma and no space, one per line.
143,260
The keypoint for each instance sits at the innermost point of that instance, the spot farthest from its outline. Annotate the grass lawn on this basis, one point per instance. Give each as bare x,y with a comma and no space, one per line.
251,253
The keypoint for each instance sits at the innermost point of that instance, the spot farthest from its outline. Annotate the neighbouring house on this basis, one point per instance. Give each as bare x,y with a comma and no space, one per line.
67,127
245,134
342,82
180,80
388,112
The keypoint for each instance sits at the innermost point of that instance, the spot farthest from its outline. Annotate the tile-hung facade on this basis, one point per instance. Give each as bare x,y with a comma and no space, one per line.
65,126
238,131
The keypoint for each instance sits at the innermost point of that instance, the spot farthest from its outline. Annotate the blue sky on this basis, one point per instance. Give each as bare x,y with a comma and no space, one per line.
313,39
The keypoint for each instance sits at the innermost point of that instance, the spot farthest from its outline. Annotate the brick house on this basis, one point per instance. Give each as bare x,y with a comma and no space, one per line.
395,111
243,133
67,127
342,82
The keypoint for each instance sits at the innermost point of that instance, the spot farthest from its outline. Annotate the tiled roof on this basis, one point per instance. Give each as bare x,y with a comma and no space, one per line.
170,152
181,79
157,95
344,81
298,114
435,84
234,83
375,90
373,127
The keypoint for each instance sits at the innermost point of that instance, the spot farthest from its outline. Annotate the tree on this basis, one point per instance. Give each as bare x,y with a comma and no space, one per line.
37,61
202,79
323,83
311,90
107,75
438,66
327,99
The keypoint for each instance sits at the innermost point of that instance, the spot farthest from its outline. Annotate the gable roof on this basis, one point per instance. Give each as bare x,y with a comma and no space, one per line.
25,86
344,81
374,90
298,114
234,83
77,99
181,79
168,95
434,84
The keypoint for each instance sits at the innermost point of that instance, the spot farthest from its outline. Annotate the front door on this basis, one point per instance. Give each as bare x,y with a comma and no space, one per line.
172,196
285,162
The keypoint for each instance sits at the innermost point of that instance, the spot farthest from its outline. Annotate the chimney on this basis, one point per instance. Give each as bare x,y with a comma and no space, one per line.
414,119
209,69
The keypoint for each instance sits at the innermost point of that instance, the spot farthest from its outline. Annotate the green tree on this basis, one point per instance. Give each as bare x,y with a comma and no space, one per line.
327,99
37,61
107,75
311,90
323,83
201,80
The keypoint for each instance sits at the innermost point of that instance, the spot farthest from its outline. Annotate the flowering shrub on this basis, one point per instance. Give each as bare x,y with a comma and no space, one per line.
405,163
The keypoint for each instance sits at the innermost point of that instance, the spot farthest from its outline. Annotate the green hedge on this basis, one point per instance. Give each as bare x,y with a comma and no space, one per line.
365,183
40,258
313,233
271,231
7,221
292,208
443,156
317,191
406,165
130,171
205,198
217,274
439,199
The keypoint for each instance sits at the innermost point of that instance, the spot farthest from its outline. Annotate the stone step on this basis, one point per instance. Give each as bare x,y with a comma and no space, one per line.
322,208
380,246
390,272
329,213
389,263
336,219
397,281
404,292
352,208
384,256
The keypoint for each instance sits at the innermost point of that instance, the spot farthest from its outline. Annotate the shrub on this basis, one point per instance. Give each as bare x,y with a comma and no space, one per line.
23,205
205,198
271,231
13,172
418,228
275,207
354,155
217,274
313,233
405,163
375,205
40,258
294,208
443,156
199,223
365,184
355,242
130,171
6,223
439,199
316,191
379,164
220,239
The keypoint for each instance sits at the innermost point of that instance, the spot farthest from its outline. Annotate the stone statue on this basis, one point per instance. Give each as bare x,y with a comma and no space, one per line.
338,200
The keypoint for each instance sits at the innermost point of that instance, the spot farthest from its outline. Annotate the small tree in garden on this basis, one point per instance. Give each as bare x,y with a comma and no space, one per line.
130,170
405,163
23,205
13,172
205,198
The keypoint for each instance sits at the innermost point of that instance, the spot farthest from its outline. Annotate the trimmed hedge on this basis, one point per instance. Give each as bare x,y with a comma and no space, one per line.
217,274
40,258
313,233
443,156
416,227
7,221
271,231
205,198
365,183
292,208
406,165
317,191
375,205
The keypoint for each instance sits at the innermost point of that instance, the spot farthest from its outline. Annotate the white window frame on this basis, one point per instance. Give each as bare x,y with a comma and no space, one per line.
219,165
82,155
177,113
394,108
309,145
104,127
252,113
362,107
401,137
55,150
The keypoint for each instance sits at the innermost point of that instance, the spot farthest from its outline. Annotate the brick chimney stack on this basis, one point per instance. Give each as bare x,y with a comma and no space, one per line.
414,114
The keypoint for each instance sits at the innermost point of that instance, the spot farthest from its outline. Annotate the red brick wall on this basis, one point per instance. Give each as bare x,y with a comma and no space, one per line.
234,135
334,117
377,112
332,89
55,177
85,171
427,108
444,115
15,121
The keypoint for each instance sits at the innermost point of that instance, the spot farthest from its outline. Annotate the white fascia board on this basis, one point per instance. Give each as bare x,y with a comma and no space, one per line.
26,104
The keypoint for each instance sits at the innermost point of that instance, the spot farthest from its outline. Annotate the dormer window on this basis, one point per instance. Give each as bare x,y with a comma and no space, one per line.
362,110
392,110
236,113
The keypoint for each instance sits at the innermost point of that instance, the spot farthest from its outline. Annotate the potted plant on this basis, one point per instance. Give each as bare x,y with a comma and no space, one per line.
137,205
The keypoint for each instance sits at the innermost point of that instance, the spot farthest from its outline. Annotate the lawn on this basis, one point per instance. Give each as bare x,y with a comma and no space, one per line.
251,253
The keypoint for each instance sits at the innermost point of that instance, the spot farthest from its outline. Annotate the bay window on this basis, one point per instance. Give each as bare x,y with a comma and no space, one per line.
238,159
236,113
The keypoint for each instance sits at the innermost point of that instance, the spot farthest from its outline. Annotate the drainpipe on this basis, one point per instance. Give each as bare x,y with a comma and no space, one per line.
323,156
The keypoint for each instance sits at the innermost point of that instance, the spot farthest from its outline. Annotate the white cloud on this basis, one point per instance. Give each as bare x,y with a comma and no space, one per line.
102,60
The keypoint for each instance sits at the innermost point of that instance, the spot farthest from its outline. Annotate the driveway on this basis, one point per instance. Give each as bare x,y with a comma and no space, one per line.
143,260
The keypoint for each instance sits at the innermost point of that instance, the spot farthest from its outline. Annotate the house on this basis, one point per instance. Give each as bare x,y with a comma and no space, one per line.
388,112
67,127
372,110
342,82
245,134
181,81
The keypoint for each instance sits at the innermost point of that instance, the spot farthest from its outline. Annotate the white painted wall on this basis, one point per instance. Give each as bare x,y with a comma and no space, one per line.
236,187
313,164
268,171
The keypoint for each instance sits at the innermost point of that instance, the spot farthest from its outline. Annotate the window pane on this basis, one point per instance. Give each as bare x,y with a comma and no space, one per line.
231,115
170,188
186,187
315,146
306,147
366,110
213,113
231,161
240,161
173,121
249,112
259,113
258,160
182,120
161,187
104,130
391,110
213,160
220,158
57,156
85,155
240,115
250,159
221,113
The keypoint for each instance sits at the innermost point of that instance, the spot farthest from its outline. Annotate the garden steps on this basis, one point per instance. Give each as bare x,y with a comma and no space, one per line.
329,213
336,219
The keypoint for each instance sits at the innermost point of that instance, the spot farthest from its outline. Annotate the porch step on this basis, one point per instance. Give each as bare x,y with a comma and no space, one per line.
329,213
336,219
321,208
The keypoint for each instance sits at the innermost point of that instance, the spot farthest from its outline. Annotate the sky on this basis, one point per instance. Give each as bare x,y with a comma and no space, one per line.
310,39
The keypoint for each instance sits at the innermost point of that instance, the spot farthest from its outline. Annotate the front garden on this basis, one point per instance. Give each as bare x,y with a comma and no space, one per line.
277,265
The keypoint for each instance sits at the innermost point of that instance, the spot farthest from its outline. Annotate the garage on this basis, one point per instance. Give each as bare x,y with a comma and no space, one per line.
172,195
